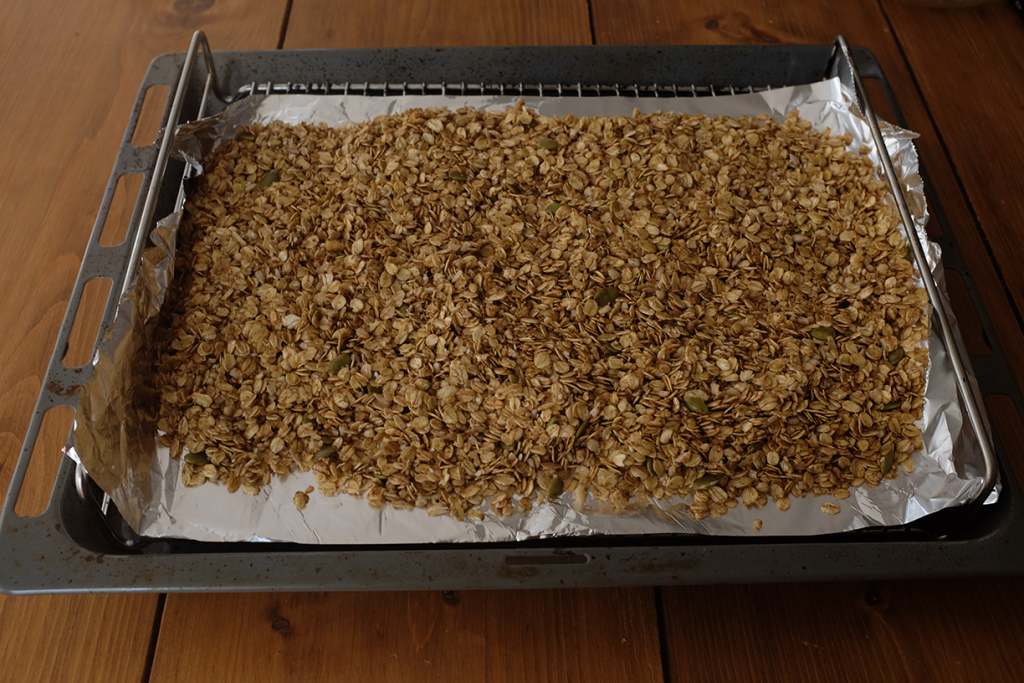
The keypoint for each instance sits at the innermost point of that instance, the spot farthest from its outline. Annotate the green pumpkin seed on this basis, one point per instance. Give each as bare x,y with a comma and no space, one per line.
555,487
582,428
891,406
606,296
553,420
823,333
244,135
306,418
507,446
547,143
896,356
887,461
403,310
457,175
611,349
374,389
513,378
342,360
650,467
198,459
553,207
706,482
272,177
616,207
375,209
696,405
323,453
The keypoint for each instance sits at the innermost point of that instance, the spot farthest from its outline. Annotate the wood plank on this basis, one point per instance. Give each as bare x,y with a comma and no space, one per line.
437,23
541,635
893,631
69,72
102,638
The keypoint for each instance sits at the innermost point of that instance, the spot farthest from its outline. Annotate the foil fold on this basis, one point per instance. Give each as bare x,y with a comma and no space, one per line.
116,437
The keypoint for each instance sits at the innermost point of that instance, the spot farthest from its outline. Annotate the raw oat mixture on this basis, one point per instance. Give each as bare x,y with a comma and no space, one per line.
445,308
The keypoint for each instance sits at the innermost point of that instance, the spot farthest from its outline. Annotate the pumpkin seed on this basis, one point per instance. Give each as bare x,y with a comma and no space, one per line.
706,482
823,333
513,378
696,405
244,135
887,461
553,420
323,453
896,356
507,446
547,143
374,389
606,296
582,428
342,360
306,418
553,207
555,487
457,175
403,310
198,459
891,406
650,467
272,177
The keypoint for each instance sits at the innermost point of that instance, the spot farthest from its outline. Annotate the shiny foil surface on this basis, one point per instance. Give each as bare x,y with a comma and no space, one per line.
117,442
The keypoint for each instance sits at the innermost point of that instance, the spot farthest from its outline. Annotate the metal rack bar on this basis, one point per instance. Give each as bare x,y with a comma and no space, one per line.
972,406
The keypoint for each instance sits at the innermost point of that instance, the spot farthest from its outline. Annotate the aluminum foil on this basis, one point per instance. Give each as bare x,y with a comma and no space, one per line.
115,439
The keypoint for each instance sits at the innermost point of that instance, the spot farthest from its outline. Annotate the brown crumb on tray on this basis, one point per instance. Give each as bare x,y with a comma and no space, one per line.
440,308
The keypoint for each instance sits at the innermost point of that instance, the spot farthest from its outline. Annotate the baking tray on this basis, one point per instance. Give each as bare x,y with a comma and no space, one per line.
80,543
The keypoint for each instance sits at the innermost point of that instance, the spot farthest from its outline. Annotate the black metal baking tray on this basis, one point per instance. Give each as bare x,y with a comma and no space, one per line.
80,543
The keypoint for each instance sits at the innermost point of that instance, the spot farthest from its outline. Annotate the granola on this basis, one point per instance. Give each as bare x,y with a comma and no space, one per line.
440,308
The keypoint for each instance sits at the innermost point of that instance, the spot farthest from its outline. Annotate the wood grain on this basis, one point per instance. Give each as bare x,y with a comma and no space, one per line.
436,23
569,635
895,631
69,72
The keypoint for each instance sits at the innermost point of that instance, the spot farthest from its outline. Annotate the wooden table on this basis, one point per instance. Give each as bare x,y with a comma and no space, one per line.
69,74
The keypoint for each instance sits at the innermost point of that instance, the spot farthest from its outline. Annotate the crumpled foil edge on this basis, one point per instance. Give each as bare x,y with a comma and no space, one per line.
116,440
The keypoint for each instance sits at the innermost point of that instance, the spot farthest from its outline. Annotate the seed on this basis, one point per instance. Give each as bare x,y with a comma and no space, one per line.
507,446
198,459
823,333
553,420
306,418
241,134
706,482
457,175
606,296
582,428
272,177
403,310
891,406
323,453
553,207
547,143
610,348
696,405
374,389
555,487
513,378
650,466
342,360
887,461
896,356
